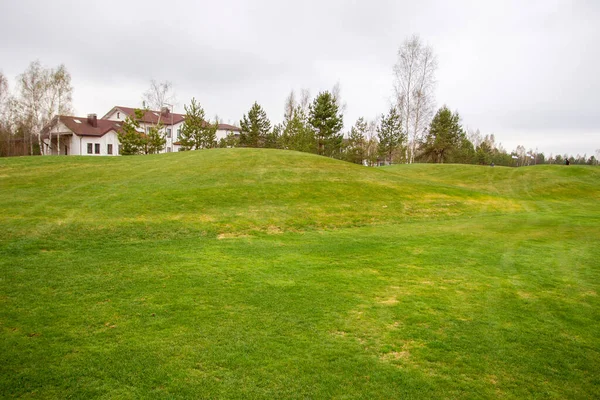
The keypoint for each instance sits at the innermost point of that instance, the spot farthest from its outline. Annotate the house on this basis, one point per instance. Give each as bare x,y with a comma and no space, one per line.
172,124
66,135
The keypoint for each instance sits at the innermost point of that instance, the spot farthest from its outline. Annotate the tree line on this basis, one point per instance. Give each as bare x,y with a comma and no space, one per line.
40,93
411,129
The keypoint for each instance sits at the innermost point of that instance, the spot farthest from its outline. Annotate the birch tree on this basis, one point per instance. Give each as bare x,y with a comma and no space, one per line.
31,87
59,97
4,96
158,96
414,84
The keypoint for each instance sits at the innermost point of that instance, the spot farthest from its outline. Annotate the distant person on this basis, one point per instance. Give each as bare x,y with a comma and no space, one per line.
567,162
492,164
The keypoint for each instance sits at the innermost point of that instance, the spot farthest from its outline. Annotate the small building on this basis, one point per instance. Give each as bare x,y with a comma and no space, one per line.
66,135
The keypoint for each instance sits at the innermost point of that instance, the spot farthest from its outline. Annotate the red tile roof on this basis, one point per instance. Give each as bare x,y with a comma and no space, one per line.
83,127
151,117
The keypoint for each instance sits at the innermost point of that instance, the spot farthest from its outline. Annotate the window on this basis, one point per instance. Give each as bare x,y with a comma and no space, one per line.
178,133
89,148
118,115
168,149
97,148
109,149
147,130
169,133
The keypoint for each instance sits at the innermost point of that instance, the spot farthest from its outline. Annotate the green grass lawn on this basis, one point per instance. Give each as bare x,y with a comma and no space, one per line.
240,273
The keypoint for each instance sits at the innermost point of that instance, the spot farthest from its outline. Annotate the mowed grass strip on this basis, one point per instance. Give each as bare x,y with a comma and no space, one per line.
259,274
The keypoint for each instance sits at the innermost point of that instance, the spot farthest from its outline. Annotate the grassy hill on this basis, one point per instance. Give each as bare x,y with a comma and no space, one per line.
241,273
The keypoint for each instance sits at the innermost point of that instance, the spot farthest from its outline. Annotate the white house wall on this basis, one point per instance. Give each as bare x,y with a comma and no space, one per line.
79,144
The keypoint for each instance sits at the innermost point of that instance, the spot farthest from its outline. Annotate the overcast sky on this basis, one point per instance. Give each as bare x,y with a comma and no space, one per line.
527,71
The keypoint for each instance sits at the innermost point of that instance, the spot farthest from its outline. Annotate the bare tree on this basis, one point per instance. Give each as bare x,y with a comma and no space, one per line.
159,95
474,137
414,86
290,105
41,94
31,88
59,97
304,102
4,94
336,92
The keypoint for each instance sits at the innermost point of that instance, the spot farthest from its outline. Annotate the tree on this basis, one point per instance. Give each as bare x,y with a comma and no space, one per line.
371,147
131,139
159,95
414,85
43,93
272,137
484,153
155,140
445,135
255,127
290,106
336,92
4,97
59,97
464,153
389,133
355,146
196,132
296,133
327,122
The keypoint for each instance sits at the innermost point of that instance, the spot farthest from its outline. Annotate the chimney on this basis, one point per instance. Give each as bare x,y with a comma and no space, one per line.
93,120
165,112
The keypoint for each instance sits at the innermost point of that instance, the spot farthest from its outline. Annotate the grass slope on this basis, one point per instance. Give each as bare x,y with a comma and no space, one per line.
245,273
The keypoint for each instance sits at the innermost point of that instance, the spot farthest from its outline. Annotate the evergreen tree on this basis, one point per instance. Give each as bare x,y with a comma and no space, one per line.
297,134
131,139
196,132
155,140
389,133
355,146
327,122
464,152
255,127
208,134
272,137
444,136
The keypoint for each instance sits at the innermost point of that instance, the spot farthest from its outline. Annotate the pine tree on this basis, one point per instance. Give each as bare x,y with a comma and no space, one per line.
196,133
444,136
132,141
390,135
255,127
272,138
208,134
355,146
327,122
155,140
297,134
